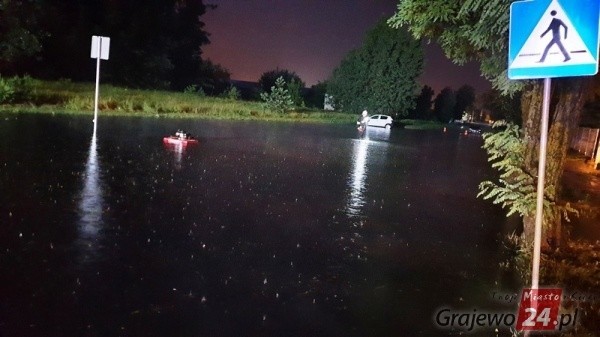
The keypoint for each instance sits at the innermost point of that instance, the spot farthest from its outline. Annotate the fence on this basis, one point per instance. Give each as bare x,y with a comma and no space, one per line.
586,142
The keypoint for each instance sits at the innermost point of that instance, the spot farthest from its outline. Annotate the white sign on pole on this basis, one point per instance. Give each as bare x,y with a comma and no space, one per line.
100,49
100,46
551,38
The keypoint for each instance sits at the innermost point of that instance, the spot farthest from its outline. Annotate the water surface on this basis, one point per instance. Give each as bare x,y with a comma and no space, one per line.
263,229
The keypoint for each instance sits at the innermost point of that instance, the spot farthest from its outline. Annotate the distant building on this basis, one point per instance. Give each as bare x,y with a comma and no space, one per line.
328,103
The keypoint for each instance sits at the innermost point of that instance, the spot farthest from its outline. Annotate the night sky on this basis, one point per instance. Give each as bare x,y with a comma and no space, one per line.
310,37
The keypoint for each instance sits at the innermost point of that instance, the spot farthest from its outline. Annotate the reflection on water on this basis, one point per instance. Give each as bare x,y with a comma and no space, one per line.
358,175
378,134
178,149
91,201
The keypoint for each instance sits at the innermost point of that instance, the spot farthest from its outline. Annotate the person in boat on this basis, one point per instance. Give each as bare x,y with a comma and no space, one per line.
362,121
181,134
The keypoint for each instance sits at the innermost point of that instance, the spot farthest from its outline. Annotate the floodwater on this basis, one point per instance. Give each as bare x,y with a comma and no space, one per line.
262,229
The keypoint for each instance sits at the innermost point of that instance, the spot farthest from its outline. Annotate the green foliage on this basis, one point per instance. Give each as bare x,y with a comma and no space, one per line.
294,89
154,44
279,99
466,30
214,79
6,91
69,97
16,89
267,79
80,104
194,89
233,93
293,84
419,124
24,86
381,75
516,189
191,89
20,33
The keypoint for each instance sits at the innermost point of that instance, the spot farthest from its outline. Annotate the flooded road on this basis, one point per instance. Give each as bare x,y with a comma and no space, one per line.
262,229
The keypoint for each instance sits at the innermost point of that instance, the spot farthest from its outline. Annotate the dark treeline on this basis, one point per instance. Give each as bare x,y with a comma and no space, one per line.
154,43
446,106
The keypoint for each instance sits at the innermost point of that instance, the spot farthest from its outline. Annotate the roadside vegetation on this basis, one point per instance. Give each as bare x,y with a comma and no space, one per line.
24,94
419,124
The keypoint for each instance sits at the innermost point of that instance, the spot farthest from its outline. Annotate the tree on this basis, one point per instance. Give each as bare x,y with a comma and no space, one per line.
295,90
315,97
478,30
590,116
154,44
502,107
444,104
293,83
465,97
423,104
347,84
213,78
381,75
268,78
20,33
278,99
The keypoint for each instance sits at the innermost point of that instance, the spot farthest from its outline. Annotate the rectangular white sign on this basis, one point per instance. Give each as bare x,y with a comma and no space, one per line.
100,46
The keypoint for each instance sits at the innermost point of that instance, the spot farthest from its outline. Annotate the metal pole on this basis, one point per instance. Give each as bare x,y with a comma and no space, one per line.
97,84
539,212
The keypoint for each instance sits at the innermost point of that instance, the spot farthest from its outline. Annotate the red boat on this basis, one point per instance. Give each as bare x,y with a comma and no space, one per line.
179,141
180,138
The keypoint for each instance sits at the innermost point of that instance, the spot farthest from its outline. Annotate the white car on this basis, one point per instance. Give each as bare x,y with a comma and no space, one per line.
382,121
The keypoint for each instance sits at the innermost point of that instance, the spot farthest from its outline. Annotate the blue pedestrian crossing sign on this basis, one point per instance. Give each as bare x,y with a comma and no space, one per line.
553,38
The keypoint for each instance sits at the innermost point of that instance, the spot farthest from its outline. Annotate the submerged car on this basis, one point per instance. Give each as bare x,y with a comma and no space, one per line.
474,129
382,121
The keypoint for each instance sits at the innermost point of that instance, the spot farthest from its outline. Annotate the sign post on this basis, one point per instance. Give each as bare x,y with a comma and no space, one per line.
547,39
100,50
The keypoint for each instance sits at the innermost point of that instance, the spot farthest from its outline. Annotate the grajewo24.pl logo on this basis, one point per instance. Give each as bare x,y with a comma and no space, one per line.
538,311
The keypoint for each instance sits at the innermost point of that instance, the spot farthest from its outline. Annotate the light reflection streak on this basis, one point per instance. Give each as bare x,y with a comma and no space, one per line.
372,137
178,149
358,176
91,200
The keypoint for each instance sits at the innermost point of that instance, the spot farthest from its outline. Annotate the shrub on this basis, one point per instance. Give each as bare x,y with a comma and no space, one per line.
194,90
233,93
279,100
516,188
23,88
6,91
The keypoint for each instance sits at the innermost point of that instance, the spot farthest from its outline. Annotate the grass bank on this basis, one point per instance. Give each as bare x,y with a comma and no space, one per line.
418,124
68,97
